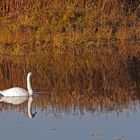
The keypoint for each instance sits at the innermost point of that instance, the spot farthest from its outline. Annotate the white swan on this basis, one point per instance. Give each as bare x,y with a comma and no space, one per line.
17,91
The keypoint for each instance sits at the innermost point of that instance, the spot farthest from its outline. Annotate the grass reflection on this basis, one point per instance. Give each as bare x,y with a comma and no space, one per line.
76,104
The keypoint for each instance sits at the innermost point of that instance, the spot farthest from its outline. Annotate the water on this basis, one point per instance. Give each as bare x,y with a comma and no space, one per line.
79,103
59,118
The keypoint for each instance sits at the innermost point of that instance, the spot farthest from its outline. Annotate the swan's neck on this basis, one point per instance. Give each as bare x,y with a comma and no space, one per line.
29,87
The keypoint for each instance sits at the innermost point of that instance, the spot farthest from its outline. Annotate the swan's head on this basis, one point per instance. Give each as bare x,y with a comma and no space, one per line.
29,74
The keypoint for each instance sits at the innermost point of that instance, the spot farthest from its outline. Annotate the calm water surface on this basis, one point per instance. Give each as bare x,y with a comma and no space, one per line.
105,109
59,118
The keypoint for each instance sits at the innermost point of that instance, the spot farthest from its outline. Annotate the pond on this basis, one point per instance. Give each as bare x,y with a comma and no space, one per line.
85,59
69,118
78,99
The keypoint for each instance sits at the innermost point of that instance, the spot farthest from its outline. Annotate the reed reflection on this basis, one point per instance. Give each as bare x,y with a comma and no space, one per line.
79,105
76,105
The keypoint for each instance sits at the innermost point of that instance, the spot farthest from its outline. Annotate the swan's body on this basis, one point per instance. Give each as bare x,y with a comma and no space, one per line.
17,91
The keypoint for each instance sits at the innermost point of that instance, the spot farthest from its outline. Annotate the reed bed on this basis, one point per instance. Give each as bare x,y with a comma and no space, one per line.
58,23
78,46
81,74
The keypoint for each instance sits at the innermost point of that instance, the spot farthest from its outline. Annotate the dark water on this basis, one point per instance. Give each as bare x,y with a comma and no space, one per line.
77,118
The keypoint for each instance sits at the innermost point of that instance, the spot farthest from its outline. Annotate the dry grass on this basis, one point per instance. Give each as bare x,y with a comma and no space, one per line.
57,23
82,46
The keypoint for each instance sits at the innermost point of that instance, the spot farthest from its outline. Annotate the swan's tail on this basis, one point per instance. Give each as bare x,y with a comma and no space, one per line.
1,95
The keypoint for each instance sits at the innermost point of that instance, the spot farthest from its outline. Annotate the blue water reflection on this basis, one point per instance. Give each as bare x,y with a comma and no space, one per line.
15,123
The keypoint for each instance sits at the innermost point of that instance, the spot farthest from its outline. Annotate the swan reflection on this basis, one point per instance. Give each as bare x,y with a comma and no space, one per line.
18,101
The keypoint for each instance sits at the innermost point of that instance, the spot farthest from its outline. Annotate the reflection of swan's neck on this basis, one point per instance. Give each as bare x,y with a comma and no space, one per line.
30,114
29,87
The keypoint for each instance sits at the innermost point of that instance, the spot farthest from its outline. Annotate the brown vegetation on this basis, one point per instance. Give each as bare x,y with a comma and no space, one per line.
41,23
82,46
82,74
